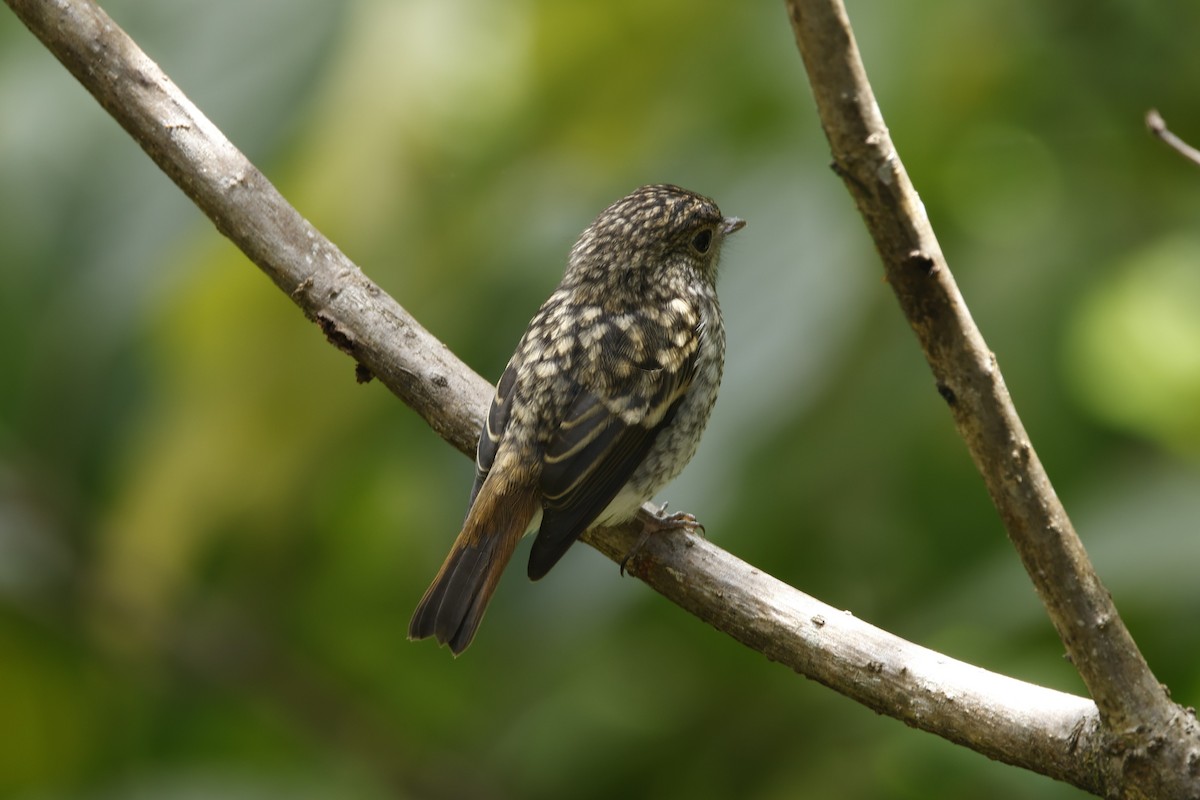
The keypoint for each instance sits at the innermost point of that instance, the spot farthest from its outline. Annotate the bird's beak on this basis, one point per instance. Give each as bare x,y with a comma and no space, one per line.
732,224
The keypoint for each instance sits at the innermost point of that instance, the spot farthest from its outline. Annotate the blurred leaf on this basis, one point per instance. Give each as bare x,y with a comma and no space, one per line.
1134,347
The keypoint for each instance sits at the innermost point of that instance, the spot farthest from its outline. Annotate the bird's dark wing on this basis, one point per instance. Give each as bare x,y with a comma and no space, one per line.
607,432
493,429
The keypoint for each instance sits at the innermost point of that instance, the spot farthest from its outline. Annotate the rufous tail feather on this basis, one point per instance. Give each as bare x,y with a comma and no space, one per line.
454,604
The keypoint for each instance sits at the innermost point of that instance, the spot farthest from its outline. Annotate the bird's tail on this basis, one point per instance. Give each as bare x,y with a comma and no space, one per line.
454,603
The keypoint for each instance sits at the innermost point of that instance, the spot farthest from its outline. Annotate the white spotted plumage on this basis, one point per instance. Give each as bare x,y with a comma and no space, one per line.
603,402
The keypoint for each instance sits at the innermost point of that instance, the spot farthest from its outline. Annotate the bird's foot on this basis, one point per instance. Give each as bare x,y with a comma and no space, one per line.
663,521
660,523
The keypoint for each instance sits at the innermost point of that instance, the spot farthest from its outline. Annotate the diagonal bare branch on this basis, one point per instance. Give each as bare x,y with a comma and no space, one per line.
968,378
966,373
355,314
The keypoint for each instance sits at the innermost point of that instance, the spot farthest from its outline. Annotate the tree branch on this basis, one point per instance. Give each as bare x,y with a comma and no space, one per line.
967,375
968,378
355,314
1018,723
1040,729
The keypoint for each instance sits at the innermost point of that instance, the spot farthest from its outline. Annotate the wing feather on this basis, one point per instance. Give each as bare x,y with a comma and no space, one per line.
493,430
602,440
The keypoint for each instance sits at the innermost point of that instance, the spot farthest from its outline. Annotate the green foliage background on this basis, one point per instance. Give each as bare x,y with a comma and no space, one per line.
211,538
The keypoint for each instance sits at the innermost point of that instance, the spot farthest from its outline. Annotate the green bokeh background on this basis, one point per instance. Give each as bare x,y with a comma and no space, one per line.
211,538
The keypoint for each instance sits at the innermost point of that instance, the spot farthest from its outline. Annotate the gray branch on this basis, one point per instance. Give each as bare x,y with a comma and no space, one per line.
1056,734
1134,708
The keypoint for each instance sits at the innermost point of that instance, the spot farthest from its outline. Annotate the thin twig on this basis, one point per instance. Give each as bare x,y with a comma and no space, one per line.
1158,126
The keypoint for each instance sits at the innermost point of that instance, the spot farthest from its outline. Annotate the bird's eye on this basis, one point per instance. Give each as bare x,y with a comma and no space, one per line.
702,241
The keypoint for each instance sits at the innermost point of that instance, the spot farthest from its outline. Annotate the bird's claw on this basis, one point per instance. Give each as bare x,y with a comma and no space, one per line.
659,523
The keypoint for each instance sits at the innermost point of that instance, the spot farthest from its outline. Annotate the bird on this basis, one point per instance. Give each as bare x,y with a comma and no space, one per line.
603,402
